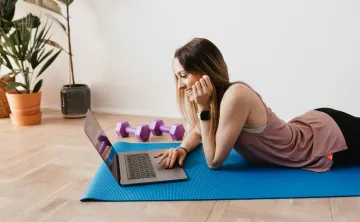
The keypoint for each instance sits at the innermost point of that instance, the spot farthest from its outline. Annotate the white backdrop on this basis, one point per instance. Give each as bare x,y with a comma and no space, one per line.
298,55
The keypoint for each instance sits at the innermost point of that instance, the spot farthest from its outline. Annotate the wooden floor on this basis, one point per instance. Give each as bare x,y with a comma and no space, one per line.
45,169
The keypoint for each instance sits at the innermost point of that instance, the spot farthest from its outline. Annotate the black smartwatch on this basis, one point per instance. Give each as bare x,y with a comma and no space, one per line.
204,115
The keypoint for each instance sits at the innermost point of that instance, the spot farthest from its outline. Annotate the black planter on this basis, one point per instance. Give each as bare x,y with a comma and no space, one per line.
75,100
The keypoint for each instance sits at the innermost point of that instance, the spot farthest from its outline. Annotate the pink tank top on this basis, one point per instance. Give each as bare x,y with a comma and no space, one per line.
303,142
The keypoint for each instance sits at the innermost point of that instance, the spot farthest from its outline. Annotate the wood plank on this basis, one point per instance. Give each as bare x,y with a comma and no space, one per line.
345,209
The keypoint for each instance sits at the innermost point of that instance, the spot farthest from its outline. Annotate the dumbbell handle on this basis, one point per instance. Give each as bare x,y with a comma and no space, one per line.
130,130
102,146
165,128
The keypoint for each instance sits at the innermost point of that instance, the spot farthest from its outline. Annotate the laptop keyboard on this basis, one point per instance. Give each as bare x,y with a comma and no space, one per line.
139,166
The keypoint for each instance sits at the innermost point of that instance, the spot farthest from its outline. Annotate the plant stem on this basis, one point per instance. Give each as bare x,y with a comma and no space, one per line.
72,80
26,75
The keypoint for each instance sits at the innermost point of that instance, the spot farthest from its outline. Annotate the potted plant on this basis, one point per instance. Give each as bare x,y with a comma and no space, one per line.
75,97
23,51
7,11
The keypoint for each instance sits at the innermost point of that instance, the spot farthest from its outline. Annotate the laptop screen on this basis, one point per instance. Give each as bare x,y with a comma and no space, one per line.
102,144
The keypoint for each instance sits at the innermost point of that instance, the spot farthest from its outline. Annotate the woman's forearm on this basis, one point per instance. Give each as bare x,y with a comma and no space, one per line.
191,141
208,142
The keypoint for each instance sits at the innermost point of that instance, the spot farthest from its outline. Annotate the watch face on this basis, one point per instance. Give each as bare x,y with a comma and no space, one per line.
205,115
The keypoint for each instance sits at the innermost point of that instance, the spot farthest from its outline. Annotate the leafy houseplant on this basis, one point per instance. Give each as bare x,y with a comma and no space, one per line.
75,97
23,51
7,11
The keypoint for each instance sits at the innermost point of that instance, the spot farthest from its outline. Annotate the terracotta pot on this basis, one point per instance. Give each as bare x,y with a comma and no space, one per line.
25,108
26,120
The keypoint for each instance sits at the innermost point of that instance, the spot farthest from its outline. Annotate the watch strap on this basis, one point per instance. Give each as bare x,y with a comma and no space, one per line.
180,147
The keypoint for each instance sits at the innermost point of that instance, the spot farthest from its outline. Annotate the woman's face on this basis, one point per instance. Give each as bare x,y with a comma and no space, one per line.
185,79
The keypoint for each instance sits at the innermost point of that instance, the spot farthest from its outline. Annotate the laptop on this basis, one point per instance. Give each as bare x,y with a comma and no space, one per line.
133,167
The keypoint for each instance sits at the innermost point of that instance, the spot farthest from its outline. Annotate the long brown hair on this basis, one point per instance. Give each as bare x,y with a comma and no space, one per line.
200,56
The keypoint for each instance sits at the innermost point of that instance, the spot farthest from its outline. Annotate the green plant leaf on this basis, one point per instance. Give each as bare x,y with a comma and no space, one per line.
7,9
41,53
57,21
37,86
8,63
46,4
65,2
16,40
33,20
17,43
34,59
8,49
48,63
37,36
7,12
25,37
53,43
40,59
4,54
41,38
13,85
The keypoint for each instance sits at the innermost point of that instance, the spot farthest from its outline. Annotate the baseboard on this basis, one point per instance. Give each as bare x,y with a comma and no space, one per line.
150,113
48,106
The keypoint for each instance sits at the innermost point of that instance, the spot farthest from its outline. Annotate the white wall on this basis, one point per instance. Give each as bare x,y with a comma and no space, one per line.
298,54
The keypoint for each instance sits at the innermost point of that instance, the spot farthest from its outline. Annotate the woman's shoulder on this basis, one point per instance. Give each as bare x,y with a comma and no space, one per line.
237,95
242,98
238,90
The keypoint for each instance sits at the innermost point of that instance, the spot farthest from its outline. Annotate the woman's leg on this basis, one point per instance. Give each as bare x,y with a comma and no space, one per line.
350,127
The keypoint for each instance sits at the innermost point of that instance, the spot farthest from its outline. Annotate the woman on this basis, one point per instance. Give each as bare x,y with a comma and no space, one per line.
225,116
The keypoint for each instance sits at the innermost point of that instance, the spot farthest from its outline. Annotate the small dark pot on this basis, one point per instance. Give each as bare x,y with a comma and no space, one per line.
75,100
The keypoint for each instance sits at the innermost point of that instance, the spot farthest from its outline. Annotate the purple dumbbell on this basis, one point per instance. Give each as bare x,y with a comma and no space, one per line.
102,137
141,132
102,146
104,141
176,131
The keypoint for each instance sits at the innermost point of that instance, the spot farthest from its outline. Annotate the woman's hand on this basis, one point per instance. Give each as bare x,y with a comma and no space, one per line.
173,154
202,91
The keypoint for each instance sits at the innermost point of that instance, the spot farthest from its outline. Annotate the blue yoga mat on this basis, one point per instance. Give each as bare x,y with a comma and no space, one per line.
235,180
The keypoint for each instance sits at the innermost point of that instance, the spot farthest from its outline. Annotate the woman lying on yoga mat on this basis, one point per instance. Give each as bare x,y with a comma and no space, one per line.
226,115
